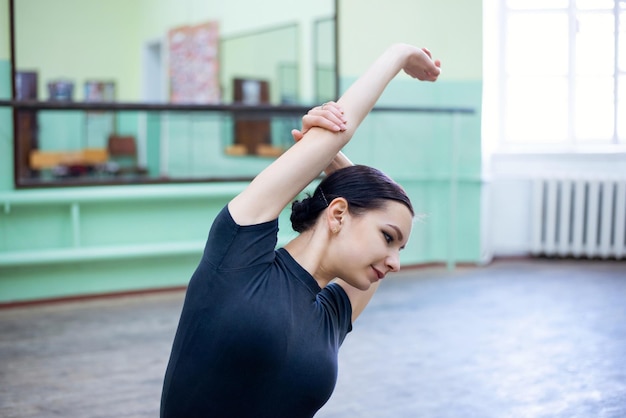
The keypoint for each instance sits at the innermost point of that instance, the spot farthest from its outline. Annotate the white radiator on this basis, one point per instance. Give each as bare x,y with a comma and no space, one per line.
576,217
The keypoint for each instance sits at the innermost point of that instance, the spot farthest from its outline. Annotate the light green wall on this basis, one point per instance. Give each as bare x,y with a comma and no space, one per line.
451,29
162,14
4,30
57,33
115,226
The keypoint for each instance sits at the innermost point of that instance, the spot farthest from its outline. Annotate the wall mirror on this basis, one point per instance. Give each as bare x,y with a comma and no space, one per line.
130,43
274,54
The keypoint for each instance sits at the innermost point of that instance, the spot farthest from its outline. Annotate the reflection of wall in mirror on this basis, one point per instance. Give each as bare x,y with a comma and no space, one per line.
277,31
194,64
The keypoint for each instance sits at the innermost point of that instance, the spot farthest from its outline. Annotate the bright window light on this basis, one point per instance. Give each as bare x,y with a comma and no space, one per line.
562,73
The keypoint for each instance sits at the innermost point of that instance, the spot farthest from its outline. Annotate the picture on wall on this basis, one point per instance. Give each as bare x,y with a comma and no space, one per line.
194,64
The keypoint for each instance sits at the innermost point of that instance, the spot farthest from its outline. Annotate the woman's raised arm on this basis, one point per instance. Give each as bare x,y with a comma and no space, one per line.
268,194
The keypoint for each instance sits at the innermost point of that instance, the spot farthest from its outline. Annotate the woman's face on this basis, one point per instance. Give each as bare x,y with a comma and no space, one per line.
367,246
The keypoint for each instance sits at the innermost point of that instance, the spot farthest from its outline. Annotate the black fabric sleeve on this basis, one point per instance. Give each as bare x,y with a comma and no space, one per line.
232,247
338,305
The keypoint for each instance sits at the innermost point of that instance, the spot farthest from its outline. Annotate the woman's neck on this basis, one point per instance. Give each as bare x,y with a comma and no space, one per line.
309,250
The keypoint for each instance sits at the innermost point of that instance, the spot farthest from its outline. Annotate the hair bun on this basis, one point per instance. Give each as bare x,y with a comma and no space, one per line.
300,214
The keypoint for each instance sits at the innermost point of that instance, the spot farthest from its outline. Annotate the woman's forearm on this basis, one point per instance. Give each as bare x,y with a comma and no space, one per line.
362,95
340,161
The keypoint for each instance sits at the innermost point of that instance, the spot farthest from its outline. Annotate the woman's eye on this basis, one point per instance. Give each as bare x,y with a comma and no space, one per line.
388,237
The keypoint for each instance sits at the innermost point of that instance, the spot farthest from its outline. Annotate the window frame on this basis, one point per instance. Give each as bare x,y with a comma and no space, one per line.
496,77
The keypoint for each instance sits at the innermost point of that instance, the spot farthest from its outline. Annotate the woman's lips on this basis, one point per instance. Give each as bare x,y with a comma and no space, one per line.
379,273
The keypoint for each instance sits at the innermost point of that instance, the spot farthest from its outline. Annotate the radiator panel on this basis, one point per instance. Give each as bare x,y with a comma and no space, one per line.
579,217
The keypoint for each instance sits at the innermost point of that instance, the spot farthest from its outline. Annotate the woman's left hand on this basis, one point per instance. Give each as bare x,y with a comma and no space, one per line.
420,64
327,116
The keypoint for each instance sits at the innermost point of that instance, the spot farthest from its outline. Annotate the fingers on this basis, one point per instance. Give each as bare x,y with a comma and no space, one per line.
328,116
433,74
325,121
426,75
425,69
296,134
331,107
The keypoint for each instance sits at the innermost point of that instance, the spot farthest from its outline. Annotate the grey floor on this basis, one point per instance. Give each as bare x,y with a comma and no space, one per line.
514,339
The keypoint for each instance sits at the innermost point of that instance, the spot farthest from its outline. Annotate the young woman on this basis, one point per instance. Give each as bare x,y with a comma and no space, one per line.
260,328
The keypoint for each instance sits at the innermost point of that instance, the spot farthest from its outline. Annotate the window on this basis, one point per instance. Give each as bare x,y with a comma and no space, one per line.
560,71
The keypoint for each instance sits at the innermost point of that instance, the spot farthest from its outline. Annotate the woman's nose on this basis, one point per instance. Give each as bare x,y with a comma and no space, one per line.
393,262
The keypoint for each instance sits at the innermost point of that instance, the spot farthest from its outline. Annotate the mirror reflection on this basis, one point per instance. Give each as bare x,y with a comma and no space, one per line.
174,52
182,51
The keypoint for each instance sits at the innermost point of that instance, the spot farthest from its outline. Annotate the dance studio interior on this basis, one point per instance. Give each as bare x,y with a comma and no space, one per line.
126,126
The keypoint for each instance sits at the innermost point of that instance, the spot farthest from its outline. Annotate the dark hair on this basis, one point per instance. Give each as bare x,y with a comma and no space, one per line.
365,188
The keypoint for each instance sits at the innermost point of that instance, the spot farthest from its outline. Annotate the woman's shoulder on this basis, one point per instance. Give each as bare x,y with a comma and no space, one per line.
230,245
224,221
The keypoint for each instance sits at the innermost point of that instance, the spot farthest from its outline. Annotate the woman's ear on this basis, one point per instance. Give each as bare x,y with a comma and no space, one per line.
335,214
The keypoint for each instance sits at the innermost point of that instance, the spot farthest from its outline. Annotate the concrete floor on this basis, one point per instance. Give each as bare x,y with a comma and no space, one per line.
515,339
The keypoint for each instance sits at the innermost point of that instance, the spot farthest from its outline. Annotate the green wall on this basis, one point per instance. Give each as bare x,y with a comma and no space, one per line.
63,242
94,30
4,30
451,29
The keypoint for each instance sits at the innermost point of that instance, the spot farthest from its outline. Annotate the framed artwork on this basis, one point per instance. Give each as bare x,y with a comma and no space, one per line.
194,64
